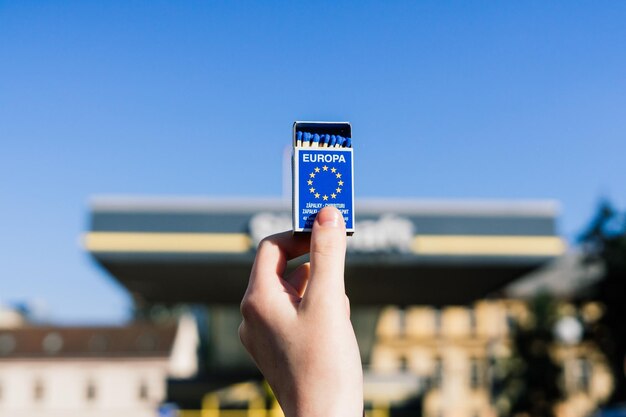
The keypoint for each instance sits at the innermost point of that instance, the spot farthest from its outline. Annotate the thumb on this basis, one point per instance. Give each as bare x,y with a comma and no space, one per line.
328,252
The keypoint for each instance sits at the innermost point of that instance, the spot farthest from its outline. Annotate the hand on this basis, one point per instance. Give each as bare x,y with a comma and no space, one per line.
297,328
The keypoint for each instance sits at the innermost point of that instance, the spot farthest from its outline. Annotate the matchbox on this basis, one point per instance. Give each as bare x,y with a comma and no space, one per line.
323,172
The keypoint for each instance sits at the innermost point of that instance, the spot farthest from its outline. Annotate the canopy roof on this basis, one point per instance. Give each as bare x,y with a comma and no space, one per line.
171,250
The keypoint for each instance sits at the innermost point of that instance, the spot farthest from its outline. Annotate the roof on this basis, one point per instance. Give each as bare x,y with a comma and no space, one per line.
567,276
404,251
439,207
138,340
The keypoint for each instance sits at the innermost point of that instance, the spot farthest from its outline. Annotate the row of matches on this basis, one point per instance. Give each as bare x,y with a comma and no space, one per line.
314,140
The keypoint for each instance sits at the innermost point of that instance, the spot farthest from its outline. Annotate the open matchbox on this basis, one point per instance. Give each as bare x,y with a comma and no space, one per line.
322,172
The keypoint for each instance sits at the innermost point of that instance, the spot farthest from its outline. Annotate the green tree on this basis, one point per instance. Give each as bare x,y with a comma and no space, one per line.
537,378
605,241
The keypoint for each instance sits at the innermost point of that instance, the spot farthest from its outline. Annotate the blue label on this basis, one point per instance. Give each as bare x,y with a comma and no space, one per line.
325,179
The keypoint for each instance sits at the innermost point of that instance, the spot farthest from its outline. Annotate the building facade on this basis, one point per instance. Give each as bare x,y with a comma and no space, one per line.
50,371
417,274
460,354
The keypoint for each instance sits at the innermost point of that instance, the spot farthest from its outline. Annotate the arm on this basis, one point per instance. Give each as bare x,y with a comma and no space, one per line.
297,328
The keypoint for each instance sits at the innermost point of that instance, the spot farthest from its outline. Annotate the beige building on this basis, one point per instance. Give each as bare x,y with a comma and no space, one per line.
451,351
448,350
92,371
417,253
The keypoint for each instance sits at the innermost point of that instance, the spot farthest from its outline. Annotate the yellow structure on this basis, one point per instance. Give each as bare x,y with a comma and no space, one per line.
451,349
250,399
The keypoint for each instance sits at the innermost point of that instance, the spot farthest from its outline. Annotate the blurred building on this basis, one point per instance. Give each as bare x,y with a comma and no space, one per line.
49,371
449,350
404,251
417,273
456,355
11,317
586,380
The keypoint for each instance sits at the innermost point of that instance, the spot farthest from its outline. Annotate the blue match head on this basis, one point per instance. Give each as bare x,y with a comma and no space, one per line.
316,138
333,140
306,136
340,140
299,136
327,139
348,142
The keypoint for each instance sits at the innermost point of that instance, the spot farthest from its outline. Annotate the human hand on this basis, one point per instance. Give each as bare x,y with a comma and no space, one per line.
297,328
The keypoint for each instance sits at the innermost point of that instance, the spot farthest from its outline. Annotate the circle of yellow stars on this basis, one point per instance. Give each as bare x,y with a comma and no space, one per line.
313,190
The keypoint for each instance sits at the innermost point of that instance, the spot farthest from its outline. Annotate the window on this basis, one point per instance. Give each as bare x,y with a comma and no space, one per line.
511,323
143,391
402,323
475,380
437,380
404,363
473,322
90,391
585,374
438,323
38,391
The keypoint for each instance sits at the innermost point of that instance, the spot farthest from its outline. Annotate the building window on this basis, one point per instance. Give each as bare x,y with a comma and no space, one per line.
143,391
511,323
472,322
585,374
38,391
438,374
438,320
402,323
90,391
475,380
404,363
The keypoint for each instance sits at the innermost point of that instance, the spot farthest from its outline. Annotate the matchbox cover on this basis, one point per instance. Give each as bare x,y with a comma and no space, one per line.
323,170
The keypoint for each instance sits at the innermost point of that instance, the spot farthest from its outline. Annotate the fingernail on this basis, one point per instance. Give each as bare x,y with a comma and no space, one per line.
329,217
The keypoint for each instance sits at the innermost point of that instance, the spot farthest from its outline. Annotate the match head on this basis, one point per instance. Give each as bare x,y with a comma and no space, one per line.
340,141
299,136
333,140
348,143
316,139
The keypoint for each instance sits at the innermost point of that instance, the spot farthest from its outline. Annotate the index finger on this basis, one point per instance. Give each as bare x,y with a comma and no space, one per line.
272,256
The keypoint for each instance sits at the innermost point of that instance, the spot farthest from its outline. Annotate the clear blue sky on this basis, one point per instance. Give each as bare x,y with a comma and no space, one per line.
505,100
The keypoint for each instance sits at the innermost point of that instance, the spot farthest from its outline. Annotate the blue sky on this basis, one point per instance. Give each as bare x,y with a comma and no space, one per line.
502,100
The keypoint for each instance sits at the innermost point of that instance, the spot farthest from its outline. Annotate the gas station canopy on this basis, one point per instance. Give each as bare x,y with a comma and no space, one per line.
200,250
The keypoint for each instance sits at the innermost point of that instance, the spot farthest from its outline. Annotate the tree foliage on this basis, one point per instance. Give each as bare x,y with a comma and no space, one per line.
538,377
605,241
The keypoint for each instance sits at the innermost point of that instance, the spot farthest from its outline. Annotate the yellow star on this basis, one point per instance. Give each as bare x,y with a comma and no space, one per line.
310,182
312,175
317,169
338,175
317,195
333,170
340,183
325,197
338,190
312,189
325,168
333,195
